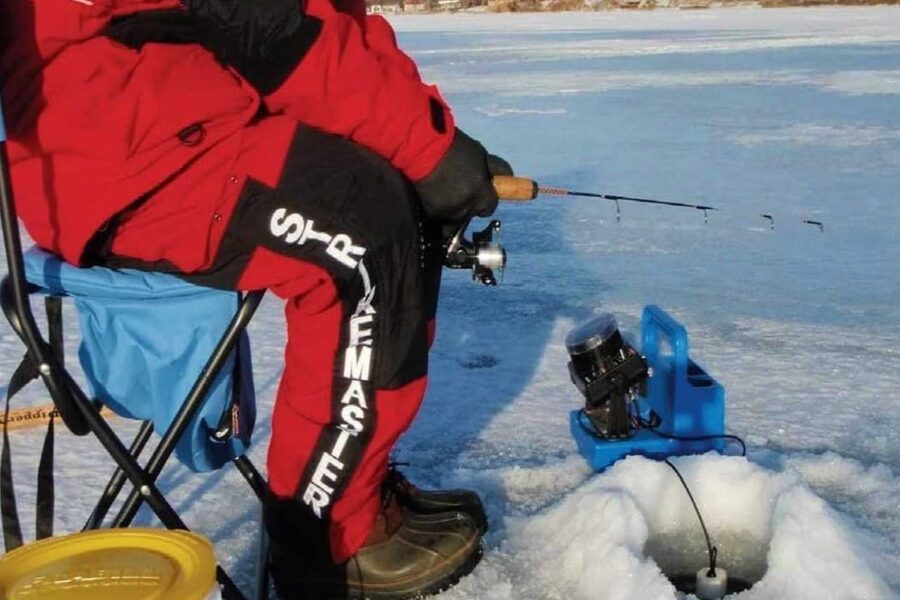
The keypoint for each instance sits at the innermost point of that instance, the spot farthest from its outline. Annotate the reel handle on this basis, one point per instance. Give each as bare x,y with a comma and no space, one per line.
515,189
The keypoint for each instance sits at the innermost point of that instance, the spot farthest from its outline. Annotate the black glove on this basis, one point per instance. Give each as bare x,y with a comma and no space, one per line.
460,186
263,40
167,26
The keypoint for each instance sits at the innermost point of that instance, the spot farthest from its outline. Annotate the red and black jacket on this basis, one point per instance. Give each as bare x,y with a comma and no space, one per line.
98,121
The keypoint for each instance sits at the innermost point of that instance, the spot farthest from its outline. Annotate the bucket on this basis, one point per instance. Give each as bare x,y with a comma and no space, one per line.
133,564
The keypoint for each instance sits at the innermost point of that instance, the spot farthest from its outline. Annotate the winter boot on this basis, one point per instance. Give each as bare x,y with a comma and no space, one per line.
407,555
435,501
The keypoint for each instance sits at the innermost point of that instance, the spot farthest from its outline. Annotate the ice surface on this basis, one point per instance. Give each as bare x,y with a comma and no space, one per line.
789,112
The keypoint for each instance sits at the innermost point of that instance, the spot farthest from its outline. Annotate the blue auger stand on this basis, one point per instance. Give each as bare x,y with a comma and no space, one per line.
687,400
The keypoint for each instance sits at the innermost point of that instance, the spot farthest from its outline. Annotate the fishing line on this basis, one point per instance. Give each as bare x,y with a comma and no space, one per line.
713,551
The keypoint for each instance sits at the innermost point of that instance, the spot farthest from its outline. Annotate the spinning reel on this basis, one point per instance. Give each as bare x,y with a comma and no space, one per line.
482,254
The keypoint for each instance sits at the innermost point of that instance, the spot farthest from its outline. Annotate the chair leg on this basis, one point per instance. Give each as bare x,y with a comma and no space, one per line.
258,484
252,475
143,483
229,590
118,479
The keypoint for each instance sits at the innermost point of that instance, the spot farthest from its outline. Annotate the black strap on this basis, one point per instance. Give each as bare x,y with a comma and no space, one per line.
45,489
12,529
26,372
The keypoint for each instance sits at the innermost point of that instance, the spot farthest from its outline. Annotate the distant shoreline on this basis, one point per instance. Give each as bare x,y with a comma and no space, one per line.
432,7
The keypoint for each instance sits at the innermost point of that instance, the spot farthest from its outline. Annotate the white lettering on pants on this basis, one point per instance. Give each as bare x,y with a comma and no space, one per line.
293,228
358,357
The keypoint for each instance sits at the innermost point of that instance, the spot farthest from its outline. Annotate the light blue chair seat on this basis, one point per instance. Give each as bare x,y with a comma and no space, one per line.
145,340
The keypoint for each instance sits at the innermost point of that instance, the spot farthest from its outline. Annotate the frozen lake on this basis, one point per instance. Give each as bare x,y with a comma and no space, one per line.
793,113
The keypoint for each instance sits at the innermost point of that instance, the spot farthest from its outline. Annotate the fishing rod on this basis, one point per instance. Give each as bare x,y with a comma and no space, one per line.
522,189
556,191
486,258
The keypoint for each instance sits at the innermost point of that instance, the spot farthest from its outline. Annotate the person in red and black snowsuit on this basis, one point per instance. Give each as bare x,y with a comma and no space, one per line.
282,144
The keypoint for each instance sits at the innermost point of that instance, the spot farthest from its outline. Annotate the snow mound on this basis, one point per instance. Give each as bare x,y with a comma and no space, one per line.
615,537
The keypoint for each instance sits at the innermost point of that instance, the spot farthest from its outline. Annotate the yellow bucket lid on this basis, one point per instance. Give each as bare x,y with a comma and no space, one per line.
116,564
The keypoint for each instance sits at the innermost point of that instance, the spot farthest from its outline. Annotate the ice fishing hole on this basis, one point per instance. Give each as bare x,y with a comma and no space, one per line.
764,523
737,500
676,543
679,554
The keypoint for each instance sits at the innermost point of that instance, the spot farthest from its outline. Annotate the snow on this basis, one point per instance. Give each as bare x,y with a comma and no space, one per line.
794,113
610,538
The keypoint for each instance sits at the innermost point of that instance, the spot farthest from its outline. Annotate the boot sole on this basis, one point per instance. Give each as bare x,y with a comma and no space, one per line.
327,593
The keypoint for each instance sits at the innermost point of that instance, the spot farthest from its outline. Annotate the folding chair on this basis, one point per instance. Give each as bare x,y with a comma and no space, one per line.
36,272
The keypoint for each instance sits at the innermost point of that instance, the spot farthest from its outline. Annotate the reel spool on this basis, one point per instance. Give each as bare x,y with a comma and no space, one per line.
609,373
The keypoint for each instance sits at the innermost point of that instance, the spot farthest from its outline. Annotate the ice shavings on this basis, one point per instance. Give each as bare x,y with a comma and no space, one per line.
813,556
873,490
615,535
521,489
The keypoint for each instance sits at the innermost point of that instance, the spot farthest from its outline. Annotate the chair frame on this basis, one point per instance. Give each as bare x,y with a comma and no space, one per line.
82,416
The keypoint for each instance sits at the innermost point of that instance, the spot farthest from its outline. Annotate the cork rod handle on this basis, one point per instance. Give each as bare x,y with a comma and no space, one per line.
515,189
